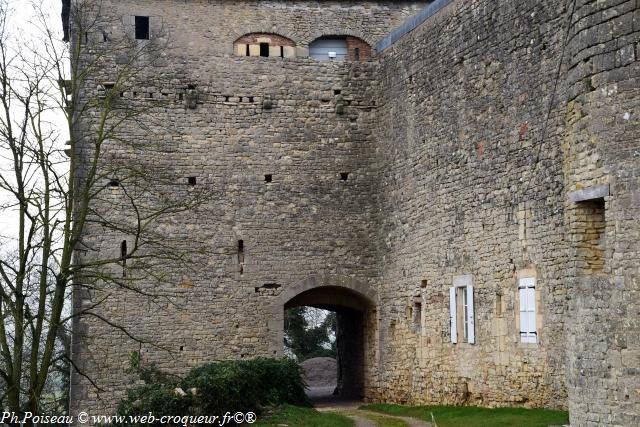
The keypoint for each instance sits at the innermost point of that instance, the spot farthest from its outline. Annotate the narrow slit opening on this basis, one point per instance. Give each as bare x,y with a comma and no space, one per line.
241,256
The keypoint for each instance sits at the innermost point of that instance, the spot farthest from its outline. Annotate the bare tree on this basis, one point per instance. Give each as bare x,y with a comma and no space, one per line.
54,193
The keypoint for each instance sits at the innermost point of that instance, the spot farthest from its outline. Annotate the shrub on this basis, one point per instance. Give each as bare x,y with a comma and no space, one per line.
217,388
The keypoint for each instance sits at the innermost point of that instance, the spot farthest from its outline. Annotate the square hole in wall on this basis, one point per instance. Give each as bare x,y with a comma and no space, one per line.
268,178
192,180
344,176
142,27
264,49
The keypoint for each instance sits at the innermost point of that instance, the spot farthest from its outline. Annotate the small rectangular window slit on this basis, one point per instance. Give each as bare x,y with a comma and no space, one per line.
192,180
417,317
241,256
344,176
123,257
268,178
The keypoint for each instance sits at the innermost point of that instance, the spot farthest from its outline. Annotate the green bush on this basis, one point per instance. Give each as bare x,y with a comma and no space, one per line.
217,388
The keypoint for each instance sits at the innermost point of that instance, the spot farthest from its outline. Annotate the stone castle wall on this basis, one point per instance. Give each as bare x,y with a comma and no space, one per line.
309,224
496,141
471,128
509,139
601,151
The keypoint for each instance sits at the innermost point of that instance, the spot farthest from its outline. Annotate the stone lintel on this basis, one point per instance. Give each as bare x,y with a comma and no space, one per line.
590,193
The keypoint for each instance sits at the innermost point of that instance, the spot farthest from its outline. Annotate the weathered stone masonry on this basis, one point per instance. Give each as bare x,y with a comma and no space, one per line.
497,141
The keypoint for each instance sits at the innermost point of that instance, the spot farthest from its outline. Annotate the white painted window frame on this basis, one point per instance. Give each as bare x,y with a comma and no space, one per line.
469,334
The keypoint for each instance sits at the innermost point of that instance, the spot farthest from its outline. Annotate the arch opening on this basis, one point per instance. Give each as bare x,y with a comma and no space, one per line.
348,313
265,45
340,48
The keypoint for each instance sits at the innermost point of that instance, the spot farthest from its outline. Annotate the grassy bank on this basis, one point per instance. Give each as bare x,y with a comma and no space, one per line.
295,416
465,416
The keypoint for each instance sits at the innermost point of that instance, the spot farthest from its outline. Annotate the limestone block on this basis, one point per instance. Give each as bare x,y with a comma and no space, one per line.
254,50
274,51
289,52
241,50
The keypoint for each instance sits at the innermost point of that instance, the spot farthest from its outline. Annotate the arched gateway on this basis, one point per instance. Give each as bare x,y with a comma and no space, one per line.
355,305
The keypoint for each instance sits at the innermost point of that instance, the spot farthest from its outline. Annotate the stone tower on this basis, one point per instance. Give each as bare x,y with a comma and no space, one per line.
457,179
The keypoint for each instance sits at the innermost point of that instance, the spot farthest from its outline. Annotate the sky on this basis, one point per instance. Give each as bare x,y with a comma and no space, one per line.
22,31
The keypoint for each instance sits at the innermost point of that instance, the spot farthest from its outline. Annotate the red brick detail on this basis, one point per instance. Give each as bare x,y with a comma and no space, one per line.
363,52
523,130
276,40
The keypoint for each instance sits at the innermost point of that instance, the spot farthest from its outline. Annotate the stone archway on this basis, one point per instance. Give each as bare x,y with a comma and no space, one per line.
355,305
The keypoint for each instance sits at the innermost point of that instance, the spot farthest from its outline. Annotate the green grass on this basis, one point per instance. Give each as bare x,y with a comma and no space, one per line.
295,416
466,416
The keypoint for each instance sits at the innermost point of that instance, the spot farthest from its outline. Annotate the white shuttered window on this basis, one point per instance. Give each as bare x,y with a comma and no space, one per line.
527,296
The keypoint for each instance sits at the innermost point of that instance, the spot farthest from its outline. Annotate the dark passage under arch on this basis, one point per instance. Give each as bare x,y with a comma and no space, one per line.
352,310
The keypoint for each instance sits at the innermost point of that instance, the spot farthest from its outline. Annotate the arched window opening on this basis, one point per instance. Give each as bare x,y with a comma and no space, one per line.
265,45
340,48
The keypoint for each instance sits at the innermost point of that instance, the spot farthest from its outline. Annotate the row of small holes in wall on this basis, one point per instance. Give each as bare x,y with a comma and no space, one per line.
268,178
344,176
150,95
249,99
192,180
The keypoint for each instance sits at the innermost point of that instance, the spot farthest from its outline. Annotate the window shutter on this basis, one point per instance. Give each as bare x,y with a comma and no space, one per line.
527,294
452,314
471,333
129,22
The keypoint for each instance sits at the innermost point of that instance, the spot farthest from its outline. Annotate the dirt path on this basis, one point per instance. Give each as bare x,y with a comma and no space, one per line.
363,418
362,422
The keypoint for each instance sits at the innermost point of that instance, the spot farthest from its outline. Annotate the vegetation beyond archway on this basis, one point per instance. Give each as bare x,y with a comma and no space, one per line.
310,332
